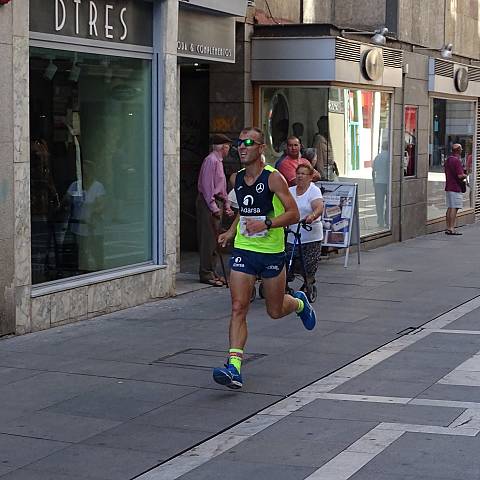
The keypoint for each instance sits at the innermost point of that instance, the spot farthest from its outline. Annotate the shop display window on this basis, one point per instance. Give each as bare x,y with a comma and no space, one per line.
91,163
453,121
349,130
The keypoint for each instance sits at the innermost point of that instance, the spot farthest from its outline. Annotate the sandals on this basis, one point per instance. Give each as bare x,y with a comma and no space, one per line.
213,282
450,232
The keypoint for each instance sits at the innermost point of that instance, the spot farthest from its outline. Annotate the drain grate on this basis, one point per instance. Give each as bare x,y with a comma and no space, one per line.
201,358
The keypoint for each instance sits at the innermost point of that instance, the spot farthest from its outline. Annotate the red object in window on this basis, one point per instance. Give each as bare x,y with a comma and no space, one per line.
4,2
367,108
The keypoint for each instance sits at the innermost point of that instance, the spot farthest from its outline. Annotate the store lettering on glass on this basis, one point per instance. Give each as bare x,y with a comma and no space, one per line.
98,19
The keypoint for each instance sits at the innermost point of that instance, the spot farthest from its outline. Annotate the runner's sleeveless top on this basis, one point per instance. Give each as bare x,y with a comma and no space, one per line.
258,200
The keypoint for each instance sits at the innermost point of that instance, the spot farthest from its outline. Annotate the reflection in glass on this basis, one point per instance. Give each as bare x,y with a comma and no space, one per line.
90,162
410,142
453,121
349,130
278,122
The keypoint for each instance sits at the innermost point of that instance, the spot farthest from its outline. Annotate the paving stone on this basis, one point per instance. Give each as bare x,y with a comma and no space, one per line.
379,412
467,322
414,359
459,393
19,451
103,405
442,342
49,388
26,474
97,463
186,417
382,387
361,475
11,375
165,442
56,426
428,456
423,373
308,442
224,469
242,402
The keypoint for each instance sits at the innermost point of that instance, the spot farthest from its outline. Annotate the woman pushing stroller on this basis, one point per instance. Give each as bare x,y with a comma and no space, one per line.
309,200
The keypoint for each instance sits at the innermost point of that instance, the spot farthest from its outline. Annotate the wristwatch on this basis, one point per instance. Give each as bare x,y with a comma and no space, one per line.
268,223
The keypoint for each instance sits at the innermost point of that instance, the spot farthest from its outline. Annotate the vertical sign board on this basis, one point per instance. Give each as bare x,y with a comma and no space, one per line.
204,36
340,216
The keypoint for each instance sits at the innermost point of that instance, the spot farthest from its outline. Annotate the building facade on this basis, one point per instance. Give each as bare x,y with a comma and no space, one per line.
108,106
389,112
89,148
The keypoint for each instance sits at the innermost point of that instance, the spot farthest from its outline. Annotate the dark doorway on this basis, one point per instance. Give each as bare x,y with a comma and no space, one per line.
194,131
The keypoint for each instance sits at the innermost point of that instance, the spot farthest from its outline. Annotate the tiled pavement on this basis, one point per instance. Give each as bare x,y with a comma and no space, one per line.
131,392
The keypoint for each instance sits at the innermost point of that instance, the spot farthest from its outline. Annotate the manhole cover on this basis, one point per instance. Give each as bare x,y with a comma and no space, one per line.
202,358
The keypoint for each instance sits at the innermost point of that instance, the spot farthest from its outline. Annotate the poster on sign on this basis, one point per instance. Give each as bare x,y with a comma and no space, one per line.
340,215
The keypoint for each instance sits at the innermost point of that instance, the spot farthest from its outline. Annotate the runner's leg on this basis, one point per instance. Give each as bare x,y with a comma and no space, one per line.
277,302
241,285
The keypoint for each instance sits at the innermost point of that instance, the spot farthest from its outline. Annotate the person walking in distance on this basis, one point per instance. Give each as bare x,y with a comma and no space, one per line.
212,200
454,177
265,207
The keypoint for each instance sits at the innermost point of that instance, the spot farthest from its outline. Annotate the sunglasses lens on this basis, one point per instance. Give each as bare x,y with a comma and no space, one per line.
248,142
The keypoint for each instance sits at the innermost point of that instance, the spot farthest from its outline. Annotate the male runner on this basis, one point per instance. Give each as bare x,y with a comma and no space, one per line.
265,207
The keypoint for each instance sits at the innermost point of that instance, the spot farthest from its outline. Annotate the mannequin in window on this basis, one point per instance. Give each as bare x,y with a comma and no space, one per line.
87,205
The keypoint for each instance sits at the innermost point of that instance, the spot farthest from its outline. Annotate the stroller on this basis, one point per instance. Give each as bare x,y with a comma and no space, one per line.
308,287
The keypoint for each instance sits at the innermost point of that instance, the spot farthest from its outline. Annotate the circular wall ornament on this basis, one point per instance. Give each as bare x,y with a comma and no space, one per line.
461,79
373,66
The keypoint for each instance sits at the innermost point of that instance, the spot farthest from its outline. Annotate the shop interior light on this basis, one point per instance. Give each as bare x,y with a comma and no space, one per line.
378,36
50,71
445,52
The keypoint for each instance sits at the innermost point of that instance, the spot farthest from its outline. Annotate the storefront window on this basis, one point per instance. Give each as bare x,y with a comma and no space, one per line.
453,121
349,130
91,135
410,141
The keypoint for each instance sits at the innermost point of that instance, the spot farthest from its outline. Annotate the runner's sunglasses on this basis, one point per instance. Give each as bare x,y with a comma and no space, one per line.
248,142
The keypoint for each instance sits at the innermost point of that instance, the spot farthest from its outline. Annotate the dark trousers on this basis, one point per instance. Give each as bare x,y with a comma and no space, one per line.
207,228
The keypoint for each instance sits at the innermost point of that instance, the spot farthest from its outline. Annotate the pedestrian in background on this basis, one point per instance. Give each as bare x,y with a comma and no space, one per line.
381,180
455,186
288,165
212,201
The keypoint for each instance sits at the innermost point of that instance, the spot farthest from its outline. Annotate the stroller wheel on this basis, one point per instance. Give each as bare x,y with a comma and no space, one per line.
311,293
260,290
253,294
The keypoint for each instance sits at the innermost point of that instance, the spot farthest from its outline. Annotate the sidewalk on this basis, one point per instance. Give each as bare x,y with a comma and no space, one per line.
120,395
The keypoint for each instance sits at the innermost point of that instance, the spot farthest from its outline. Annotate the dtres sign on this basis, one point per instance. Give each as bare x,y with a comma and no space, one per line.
121,21
94,22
